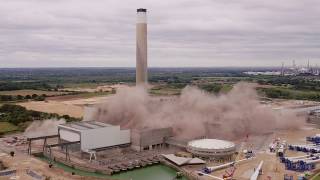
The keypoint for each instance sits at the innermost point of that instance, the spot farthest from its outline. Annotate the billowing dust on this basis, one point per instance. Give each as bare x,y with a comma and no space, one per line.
43,128
196,113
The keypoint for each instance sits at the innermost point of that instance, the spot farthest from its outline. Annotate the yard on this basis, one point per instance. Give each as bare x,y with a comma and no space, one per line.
6,127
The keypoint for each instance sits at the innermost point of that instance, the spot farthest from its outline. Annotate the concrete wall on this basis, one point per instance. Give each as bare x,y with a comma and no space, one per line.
104,137
68,135
147,138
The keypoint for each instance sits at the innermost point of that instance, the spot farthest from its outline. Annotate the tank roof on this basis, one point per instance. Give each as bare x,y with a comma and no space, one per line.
211,144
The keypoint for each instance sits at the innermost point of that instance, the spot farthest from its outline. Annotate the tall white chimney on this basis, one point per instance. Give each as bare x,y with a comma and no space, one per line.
141,48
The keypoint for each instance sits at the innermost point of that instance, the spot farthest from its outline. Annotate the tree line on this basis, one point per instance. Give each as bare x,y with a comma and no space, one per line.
17,114
290,94
36,97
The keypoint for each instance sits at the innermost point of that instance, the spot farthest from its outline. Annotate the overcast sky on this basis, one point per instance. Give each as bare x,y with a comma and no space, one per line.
196,33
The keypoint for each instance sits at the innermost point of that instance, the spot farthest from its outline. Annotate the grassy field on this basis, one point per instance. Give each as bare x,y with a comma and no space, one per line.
6,127
93,94
226,88
289,93
165,90
85,95
30,92
82,85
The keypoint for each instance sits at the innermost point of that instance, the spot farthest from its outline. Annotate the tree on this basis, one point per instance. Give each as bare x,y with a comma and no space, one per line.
66,117
34,96
40,98
6,98
19,97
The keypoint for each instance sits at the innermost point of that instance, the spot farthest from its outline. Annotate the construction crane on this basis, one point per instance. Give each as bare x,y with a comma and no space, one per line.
229,173
208,170
227,176
257,172
208,175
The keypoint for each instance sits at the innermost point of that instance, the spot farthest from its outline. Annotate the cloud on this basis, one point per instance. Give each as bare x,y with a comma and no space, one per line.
181,32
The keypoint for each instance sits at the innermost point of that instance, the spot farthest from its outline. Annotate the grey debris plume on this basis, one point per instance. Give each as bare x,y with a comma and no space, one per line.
196,113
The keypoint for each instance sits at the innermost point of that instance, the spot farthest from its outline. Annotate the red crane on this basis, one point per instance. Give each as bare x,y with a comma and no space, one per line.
229,173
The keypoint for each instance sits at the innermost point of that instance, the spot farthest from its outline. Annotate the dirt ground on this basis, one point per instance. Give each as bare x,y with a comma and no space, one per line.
72,107
70,104
60,108
292,104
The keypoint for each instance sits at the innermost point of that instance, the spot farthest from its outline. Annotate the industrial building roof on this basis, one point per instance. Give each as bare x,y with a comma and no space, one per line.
183,160
211,144
85,125
316,111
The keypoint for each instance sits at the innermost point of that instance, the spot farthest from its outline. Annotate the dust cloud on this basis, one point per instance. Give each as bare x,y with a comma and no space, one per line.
43,127
196,113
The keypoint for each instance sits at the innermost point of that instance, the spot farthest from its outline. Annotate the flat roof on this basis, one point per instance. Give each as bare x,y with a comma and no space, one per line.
85,125
214,144
183,160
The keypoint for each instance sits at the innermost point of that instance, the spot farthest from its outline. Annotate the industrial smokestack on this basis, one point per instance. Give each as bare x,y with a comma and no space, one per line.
141,51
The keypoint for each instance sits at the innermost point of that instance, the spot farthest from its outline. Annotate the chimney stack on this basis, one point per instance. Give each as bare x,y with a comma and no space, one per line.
141,48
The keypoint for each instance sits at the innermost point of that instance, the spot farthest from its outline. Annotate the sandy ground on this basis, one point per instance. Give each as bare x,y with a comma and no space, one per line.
70,105
97,89
74,107
60,108
292,104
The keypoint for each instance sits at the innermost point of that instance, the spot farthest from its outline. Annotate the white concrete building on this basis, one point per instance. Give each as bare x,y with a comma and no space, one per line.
93,134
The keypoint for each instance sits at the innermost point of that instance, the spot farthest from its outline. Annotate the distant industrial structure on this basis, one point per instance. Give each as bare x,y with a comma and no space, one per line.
302,70
141,47
293,70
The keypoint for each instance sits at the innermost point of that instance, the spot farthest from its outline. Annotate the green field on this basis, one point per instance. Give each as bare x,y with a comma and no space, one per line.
93,94
165,90
31,92
82,85
289,93
6,127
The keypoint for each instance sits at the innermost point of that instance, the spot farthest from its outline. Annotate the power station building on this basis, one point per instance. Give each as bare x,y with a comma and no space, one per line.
93,134
141,48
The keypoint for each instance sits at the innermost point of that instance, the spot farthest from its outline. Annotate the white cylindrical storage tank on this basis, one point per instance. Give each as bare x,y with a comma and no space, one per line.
211,148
